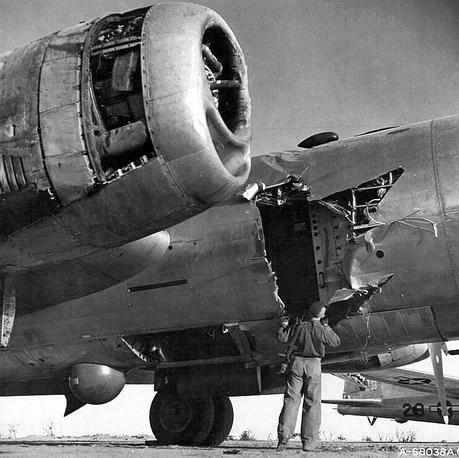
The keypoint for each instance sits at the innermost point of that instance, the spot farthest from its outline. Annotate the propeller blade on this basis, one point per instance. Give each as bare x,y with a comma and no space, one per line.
435,350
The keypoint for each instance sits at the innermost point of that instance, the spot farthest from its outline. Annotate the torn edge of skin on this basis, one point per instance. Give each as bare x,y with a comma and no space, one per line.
276,290
357,300
366,289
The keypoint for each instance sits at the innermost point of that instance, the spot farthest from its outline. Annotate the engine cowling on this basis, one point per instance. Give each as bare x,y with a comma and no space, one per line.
117,128
95,383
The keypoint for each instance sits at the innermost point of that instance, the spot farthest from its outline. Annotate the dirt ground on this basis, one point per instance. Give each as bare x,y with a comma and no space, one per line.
140,448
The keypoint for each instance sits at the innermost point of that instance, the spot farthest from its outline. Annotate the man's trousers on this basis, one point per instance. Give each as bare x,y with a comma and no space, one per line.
303,378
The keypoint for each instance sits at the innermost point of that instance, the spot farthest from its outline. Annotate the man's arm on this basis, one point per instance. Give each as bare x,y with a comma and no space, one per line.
285,330
329,337
283,334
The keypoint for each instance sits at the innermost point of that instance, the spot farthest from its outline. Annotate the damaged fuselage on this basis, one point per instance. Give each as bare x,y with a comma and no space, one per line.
384,261
381,228
115,270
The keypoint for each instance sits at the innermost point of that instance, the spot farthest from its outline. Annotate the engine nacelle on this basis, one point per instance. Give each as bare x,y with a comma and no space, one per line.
95,383
117,128
395,358
403,356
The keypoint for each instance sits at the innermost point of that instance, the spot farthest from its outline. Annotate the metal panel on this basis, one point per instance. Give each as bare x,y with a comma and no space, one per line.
60,282
211,266
59,83
328,237
61,132
445,142
137,204
389,329
67,43
445,138
64,148
19,81
71,175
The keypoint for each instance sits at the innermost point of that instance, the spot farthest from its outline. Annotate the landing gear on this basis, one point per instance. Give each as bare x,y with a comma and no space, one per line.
181,421
202,421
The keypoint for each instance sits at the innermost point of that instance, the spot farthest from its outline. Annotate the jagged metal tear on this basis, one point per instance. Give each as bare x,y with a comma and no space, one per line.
373,283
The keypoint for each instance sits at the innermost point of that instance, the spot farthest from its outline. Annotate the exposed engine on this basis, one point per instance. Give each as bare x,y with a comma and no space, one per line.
129,124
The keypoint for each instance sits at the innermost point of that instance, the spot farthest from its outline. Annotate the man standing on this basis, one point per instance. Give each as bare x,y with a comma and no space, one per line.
304,378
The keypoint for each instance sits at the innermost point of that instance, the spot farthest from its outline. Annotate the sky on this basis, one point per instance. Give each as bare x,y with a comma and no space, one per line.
347,66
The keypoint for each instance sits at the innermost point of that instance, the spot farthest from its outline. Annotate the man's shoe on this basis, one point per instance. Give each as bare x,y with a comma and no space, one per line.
281,446
308,447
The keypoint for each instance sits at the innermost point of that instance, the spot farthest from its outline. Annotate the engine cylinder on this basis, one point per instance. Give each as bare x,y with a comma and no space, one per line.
95,383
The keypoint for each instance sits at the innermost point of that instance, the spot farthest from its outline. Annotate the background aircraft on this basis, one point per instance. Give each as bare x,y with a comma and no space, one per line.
333,88
403,395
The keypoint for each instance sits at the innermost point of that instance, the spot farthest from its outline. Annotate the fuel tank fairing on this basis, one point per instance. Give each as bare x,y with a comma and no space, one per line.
117,128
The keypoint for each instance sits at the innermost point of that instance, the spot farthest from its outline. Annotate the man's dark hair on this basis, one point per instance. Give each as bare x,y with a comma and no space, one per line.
314,309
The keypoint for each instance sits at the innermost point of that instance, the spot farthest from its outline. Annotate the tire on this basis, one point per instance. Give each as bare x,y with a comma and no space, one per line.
204,144
176,421
223,422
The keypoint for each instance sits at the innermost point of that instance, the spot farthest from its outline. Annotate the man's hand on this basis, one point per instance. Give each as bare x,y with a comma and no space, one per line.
284,321
283,368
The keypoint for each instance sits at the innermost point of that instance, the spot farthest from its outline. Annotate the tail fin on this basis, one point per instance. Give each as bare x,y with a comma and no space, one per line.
356,386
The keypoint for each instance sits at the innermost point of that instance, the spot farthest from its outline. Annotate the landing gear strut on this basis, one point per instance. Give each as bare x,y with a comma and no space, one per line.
202,421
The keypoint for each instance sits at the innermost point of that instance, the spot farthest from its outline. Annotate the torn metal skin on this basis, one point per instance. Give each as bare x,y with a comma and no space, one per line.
284,184
368,218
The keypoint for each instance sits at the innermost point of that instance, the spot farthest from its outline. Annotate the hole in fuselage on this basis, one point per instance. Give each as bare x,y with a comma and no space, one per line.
290,249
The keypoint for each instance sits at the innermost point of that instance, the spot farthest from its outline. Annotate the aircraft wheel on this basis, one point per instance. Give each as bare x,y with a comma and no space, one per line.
223,422
176,421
